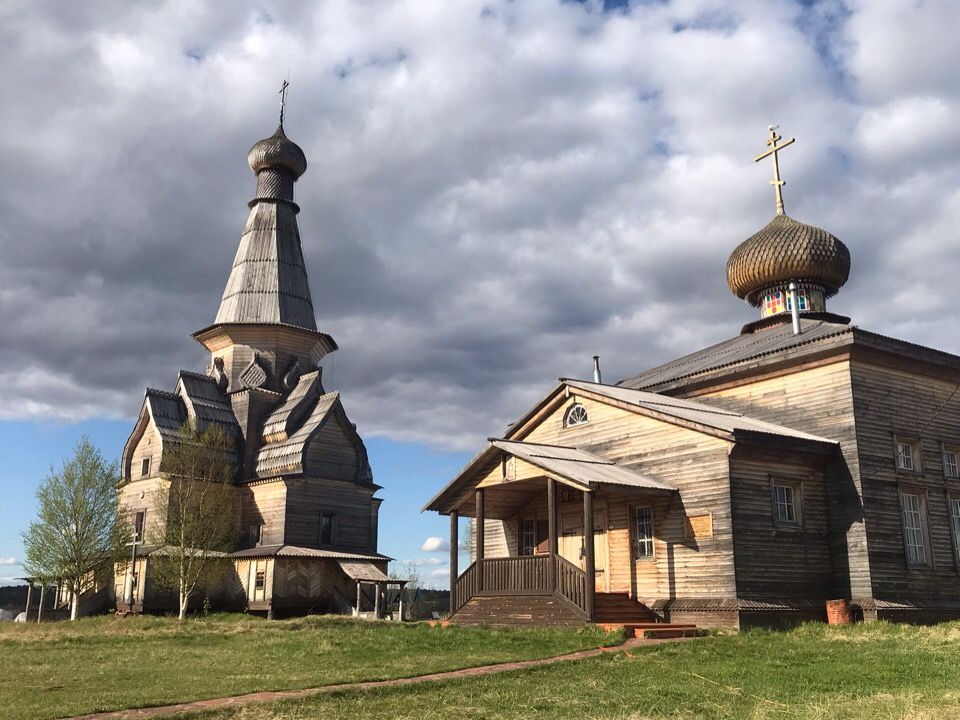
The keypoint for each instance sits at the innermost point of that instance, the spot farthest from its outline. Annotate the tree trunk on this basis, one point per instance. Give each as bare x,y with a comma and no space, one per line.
184,600
74,603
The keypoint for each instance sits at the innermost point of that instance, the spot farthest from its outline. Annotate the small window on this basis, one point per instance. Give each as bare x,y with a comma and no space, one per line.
950,468
255,533
911,506
643,532
576,415
145,467
139,524
261,580
326,529
786,508
955,526
907,455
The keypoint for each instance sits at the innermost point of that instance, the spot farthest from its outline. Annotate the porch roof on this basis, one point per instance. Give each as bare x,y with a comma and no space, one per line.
578,468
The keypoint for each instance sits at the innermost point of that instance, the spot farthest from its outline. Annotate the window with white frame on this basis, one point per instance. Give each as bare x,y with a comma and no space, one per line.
786,502
955,525
643,532
908,455
911,506
576,415
950,467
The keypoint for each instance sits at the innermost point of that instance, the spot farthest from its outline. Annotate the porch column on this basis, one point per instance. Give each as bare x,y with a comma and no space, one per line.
26,610
454,555
357,612
589,562
552,530
376,601
479,531
43,590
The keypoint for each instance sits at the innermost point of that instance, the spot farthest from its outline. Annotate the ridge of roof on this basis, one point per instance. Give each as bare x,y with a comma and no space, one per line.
162,393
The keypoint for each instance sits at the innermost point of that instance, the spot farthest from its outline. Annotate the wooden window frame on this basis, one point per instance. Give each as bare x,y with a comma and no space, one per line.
145,467
255,534
260,580
916,454
796,489
569,412
139,525
324,514
523,548
953,520
635,535
924,529
947,450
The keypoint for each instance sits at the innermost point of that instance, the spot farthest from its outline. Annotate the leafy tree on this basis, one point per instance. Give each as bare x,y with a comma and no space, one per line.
79,530
198,503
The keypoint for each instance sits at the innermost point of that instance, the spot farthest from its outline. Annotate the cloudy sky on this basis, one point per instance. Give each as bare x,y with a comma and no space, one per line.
497,190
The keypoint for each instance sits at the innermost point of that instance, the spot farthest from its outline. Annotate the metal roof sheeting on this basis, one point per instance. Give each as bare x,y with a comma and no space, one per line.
363,570
304,552
737,350
578,466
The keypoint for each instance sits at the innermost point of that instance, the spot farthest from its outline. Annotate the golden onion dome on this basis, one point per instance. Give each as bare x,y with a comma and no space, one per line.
787,250
278,152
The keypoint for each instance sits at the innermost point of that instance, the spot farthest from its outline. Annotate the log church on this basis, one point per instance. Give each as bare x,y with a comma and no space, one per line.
305,501
802,461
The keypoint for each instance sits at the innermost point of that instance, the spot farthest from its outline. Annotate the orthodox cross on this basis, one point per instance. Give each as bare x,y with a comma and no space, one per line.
774,149
283,98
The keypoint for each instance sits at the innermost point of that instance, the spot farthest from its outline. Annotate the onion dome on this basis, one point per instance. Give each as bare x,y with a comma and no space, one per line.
784,251
278,152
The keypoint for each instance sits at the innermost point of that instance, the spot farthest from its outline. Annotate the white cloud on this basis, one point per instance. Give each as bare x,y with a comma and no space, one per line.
8,561
496,192
435,544
421,562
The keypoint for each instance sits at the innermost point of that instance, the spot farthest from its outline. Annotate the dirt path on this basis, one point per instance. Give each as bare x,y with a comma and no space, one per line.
268,696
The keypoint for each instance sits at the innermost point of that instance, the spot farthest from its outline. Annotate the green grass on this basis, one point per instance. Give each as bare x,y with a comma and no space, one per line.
863,672
107,663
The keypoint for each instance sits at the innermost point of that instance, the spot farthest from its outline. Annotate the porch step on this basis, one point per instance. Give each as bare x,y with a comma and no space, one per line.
620,609
655,631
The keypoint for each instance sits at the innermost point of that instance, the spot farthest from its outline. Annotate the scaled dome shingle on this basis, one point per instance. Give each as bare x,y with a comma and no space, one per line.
787,250
278,152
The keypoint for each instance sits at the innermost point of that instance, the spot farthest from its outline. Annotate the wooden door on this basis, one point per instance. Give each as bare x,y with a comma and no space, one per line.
570,544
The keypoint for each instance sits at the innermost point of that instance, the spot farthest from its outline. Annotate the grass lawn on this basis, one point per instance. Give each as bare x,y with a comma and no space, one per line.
816,671
106,663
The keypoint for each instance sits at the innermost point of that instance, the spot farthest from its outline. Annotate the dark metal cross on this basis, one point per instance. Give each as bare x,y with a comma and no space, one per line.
774,149
283,99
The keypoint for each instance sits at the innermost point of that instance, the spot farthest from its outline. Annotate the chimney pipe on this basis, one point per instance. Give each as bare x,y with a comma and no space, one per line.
794,309
596,369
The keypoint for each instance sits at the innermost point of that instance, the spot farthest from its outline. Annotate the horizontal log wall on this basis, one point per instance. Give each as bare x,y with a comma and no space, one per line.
349,503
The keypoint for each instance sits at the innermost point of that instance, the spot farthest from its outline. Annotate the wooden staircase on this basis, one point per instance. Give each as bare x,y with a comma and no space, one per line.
619,610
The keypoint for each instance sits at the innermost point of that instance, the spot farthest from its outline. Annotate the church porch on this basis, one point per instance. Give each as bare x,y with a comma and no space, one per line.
531,565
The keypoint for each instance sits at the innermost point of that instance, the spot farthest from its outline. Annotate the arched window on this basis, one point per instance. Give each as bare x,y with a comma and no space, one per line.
576,415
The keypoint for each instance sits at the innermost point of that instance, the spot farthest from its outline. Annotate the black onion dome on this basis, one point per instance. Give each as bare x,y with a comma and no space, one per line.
278,152
787,250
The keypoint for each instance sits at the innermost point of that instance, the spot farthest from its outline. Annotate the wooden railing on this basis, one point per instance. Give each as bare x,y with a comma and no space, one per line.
571,583
516,575
525,575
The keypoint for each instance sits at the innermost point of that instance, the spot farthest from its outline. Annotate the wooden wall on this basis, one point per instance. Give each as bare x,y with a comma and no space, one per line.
890,401
308,498
777,561
131,502
818,400
148,447
693,462
332,453
264,503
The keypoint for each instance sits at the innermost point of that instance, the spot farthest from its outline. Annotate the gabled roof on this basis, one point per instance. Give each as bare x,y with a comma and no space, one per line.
740,349
287,456
282,421
205,402
167,410
578,466
696,413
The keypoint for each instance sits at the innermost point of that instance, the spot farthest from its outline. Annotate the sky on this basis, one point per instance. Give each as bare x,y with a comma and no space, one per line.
496,192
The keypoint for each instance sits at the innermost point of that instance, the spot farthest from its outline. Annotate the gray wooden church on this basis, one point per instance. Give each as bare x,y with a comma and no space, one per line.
802,460
306,504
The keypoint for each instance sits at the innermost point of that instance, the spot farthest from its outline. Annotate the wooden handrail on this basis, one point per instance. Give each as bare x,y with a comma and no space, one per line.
571,583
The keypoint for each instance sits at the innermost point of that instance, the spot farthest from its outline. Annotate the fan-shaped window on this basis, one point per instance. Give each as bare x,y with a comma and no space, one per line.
576,415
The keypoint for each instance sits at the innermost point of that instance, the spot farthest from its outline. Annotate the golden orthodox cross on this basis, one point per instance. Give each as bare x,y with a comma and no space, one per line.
283,98
774,149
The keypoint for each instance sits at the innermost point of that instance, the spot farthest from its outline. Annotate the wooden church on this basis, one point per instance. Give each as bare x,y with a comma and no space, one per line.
305,500
801,461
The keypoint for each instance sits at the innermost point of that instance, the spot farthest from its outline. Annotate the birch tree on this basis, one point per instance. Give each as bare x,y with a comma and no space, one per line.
79,530
197,501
